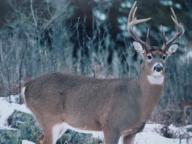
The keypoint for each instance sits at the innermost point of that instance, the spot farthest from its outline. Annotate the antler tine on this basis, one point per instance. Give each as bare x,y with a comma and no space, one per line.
130,17
132,20
179,29
134,12
173,14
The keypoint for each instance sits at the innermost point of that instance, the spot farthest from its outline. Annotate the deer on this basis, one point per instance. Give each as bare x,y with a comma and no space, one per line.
118,108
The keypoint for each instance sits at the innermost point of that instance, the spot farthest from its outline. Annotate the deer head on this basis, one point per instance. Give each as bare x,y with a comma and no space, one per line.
154,57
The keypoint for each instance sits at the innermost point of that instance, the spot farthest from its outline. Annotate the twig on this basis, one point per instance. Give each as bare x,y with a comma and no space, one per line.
32,12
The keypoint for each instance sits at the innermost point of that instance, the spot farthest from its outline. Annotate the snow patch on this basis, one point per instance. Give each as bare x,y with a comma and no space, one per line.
187,57
27,142
101,16
6,109
154,138
189,54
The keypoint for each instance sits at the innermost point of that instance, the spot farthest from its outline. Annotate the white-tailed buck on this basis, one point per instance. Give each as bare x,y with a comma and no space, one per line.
115,107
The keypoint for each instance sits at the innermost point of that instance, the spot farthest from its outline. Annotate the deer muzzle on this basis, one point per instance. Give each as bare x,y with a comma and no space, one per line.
158,67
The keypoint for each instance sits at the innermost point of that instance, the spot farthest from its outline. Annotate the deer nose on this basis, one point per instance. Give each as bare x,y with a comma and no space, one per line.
158,68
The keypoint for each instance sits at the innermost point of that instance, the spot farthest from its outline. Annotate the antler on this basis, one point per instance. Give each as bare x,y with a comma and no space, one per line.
179,30
132,20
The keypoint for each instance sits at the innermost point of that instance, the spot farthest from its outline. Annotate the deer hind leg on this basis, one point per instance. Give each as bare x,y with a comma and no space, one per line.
52,134
53,128
57,131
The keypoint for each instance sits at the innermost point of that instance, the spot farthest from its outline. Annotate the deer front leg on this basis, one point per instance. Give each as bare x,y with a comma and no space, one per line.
40,139
129,139
48,137
111,136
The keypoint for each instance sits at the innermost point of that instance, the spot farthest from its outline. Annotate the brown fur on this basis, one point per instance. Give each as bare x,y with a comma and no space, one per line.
114,106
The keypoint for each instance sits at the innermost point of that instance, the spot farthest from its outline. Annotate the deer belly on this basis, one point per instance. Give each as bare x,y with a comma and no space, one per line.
65,126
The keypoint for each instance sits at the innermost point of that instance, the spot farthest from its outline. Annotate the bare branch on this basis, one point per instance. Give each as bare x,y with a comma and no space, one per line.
33,14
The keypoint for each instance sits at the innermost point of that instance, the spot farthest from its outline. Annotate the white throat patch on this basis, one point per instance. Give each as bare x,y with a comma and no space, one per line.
155,80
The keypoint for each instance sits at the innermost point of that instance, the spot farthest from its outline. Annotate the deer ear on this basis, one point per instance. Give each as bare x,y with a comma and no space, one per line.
138,47
172,49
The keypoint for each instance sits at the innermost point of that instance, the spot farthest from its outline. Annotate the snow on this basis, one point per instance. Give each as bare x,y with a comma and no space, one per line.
101,16
166,2
154,138
150,134
189,54
6,109
27,142
126,4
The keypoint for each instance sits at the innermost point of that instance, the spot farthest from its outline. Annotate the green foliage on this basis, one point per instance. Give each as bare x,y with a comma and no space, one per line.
71,137
25,124
11,136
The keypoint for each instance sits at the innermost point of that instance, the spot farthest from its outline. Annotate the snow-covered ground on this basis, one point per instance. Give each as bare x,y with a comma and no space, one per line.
6,109
27,142
150,134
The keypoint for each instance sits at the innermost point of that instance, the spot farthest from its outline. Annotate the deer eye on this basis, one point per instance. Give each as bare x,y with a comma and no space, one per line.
163,57
149,57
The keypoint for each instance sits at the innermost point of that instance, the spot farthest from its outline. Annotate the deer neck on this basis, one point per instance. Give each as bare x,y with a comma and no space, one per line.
148,81
151,89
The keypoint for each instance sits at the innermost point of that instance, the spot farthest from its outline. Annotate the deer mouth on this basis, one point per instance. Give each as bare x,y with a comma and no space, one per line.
157,73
